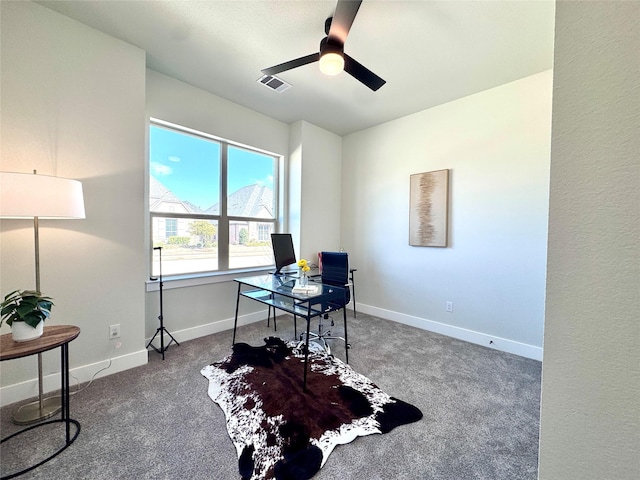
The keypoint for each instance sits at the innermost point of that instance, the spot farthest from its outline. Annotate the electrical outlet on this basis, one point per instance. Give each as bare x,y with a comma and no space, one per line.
114,331
449,307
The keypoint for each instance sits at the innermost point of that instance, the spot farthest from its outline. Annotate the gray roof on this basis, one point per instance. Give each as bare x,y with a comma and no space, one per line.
250,201
158,194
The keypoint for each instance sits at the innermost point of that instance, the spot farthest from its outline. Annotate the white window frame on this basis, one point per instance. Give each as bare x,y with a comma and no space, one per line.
224,273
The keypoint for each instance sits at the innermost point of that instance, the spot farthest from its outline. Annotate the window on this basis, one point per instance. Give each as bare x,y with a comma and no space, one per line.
211,203
264,232
171,229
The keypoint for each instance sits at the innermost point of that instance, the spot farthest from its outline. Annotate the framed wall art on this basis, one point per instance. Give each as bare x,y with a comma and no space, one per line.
429,209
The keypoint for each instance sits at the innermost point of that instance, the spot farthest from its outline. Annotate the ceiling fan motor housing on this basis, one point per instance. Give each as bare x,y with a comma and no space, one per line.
331,57
328,46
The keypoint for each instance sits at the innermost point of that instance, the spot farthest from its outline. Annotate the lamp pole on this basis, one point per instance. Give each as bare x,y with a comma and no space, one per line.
42,408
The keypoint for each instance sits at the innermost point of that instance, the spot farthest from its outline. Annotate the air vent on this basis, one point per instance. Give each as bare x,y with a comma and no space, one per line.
274,83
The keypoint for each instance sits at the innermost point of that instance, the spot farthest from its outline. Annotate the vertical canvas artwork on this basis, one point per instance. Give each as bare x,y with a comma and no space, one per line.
429,209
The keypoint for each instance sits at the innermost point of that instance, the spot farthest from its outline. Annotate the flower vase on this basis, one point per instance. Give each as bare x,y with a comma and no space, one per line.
23,332
304,280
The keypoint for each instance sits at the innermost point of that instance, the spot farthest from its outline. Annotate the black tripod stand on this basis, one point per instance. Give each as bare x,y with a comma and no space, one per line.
161,330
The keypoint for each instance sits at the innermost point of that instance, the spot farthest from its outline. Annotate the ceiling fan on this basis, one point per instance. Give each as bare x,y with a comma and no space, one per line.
331,55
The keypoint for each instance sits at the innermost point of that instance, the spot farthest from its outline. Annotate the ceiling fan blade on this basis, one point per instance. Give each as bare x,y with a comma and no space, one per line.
362,73
298,62
343,19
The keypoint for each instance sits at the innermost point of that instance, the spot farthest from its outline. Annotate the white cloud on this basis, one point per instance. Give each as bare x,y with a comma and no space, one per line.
158,169
267,181
174,159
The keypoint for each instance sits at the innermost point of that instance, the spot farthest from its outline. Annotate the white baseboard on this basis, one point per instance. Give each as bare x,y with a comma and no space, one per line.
29,388
496,343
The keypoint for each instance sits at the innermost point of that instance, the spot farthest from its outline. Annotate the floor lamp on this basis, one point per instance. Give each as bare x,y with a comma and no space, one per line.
31,196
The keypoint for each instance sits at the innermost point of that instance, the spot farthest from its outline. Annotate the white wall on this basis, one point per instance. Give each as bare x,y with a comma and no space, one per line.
496,145
314,182
178,102
590,415
320,191
293,222
72,105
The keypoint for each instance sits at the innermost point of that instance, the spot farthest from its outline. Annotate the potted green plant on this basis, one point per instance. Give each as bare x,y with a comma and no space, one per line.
25,312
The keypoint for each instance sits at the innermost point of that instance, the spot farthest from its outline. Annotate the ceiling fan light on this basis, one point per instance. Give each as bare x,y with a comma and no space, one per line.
331,63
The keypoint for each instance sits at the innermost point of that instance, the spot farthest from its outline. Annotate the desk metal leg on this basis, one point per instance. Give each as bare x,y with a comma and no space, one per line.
306,350
275,325
353,291
275,321
346,336
235,321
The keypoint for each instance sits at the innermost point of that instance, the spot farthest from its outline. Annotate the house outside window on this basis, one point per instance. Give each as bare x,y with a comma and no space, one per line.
211,203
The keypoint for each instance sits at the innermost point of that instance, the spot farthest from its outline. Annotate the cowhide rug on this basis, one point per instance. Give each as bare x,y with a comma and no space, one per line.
281,432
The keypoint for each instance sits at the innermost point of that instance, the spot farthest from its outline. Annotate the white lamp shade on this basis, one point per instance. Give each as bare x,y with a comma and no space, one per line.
331,63
27,195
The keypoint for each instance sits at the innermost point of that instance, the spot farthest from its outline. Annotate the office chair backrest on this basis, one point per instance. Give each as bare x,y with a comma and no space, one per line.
335,271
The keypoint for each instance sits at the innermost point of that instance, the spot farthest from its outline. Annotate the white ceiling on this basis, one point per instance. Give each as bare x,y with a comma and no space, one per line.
429,52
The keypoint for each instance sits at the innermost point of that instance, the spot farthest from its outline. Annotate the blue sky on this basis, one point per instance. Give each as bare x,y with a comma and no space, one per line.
189,166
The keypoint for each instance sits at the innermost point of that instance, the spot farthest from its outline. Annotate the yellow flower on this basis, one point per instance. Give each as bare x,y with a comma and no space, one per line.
304,265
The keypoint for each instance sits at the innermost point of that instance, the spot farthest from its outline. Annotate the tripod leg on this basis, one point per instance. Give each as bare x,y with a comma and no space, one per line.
172,339
153,338
163,348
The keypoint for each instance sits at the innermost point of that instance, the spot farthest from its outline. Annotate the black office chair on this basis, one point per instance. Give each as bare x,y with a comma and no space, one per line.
335,271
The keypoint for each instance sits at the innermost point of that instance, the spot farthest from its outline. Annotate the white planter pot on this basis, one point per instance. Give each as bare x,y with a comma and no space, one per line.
22,332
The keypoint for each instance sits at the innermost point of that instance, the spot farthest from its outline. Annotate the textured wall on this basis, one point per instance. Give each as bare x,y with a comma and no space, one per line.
590,422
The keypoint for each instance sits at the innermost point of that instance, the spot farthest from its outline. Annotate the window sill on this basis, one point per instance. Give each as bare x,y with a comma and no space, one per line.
196,279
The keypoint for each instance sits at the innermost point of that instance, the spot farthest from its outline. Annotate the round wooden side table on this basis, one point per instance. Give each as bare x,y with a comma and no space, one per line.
53,337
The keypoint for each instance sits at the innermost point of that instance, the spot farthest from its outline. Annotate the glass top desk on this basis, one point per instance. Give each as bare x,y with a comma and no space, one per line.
276,291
